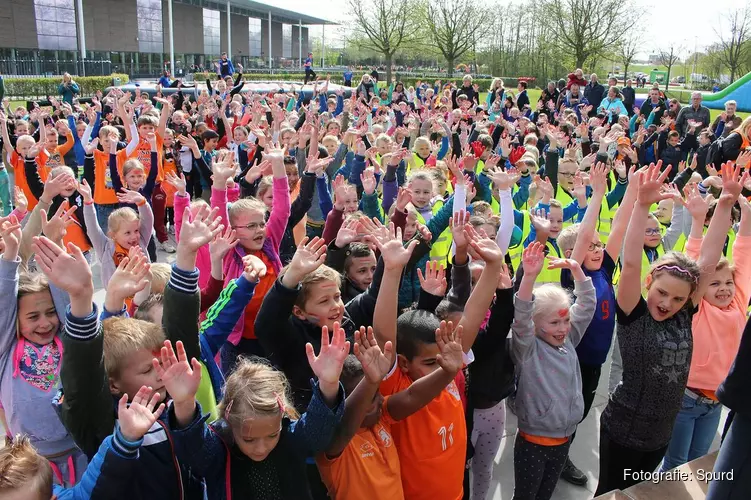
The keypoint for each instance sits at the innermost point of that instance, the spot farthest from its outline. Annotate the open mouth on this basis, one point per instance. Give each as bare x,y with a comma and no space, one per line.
662,311
559,338
722,297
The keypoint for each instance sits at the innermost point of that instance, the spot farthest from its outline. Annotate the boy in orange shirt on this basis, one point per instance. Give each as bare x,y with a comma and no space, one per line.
52,154
432,443
18,154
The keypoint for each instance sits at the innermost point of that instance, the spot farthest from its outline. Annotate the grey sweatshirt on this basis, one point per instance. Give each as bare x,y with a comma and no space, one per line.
105,246
549,387
30,373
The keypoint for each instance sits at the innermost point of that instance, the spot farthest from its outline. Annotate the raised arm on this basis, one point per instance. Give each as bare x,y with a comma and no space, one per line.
592,215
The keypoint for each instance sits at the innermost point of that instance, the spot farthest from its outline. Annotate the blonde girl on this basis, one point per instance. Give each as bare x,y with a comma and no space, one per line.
259,443
655,336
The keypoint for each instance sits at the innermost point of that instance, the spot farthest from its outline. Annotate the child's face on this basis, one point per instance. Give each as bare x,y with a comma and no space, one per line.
251,229
136,372
324,305
293,176
566,174
424,363
135,179
410,228
37,318
268,198
80,129
673,141
361,270
553,326
556,221
146,129
422,192
383,146
490,230
664,211
68,191
333,128
652,235
240,135
721,289
423,149
350,201
258,437
210,144
169,140
331,147
704,139
286,137
51,142
595,253
127,235
666,295
22,128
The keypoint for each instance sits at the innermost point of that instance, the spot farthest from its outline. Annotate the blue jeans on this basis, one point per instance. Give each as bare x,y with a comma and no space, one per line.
694,430
735,456
103,214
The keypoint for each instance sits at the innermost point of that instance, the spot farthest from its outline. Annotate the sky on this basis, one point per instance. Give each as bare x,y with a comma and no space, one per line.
688,23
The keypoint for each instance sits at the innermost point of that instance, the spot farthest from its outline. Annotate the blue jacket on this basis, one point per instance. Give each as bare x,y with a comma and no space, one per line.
77,145
109,474
68,91
208,449
226,68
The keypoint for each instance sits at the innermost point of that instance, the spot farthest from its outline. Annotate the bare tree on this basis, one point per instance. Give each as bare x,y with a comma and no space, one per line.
388,25
586,28
453,26
735,47
668,56
627,50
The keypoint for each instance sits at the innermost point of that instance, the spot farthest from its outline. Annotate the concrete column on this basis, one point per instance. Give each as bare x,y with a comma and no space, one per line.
299,45
81,36
229,33
323,46
171,39
270,51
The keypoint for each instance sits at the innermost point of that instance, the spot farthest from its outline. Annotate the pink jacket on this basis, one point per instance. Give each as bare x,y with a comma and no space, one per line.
203,259
717,332
277,223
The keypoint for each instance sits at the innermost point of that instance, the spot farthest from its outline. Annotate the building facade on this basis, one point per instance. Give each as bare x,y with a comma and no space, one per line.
135,36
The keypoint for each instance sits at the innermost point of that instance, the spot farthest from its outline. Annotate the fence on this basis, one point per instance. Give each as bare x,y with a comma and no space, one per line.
49,67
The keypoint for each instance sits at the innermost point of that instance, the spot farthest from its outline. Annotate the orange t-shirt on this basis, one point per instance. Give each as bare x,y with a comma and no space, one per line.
432,443
367,468
74,234
104,193
169,190
55,158
120,254
143,154
262,288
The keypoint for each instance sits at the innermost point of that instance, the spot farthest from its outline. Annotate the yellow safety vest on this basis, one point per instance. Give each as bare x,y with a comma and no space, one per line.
549,275
515,254
606,218
645,266
565,199
441,247
729,250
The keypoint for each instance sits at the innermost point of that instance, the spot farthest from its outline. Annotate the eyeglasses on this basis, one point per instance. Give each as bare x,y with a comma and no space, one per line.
570,175
252,226
652,231
598,245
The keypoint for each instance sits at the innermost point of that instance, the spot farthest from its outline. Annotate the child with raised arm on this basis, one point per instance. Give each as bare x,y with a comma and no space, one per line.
260,442
546,330
126,228
435,438
717,329
31,355
24,473
655,336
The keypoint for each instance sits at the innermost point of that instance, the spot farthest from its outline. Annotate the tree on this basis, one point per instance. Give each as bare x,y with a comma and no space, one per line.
734,48
587,28
668,57
453,26
627,50
388,25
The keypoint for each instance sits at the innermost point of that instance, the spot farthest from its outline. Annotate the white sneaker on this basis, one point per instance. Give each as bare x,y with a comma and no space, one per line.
166,247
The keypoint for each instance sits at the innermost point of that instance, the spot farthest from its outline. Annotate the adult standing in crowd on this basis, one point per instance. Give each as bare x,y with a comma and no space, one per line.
69,89
310,75
727,121
522,99
224,66
629,97
594,92
654,103
695,112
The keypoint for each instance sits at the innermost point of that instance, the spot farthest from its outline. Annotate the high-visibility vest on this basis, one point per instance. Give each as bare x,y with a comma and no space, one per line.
549,275
515,252
441,246
645,266
729,248
605,221
565,199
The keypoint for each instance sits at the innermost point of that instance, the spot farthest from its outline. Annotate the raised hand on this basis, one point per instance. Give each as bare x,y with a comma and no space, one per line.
130,277
54,186
130,197
650,183
732,182
347,233
403,198
54,228
204,227
222,244
309,256
505,281
327,365
598,179
434,279
570,264
85,190
223,168
696,204
91,146
501,179
136,419
393,252
376,364
19,199
580,189
449,341
68,271
457,223
255,269
672,191
533,258
368,181
181,379
481,247
178,183
10,230
743,160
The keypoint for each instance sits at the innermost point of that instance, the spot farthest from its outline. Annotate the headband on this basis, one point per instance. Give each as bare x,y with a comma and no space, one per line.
673,267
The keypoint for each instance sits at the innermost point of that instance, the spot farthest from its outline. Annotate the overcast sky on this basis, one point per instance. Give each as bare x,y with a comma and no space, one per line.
686,22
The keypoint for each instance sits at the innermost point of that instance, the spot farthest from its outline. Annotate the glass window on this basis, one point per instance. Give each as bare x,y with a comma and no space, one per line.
254,37
56,24
211,32
150,34
287,41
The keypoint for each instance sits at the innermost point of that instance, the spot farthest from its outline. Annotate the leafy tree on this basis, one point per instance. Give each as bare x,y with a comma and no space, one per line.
454,26
734,48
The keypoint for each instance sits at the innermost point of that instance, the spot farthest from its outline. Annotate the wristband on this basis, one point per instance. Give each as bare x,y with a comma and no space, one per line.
88,202
141,203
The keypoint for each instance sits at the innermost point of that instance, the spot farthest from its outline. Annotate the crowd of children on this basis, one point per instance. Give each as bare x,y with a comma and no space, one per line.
362,286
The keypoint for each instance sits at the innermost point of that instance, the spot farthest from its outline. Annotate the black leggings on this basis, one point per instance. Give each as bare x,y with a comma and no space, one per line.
537,468
310,75
615,459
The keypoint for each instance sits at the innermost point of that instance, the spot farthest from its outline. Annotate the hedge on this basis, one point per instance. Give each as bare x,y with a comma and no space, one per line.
510,83
39,88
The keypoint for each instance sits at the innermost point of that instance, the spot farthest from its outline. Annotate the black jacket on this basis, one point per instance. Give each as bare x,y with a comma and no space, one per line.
646,109
629,98
299,208
594,92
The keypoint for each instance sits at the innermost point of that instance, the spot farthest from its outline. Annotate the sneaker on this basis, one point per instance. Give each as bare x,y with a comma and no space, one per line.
572,474
171,229
166,247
